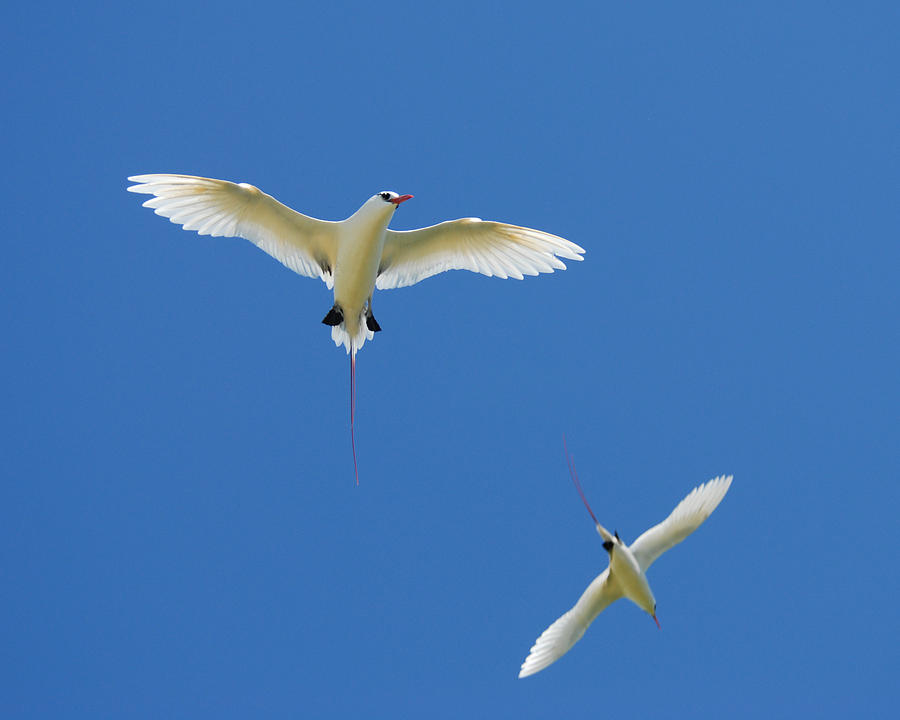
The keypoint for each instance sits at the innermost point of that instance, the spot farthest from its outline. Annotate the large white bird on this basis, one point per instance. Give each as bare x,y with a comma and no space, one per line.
625,576
356,255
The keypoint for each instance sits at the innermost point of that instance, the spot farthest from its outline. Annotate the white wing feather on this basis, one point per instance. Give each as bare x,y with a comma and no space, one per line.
557,639
682,521
489,248
221,208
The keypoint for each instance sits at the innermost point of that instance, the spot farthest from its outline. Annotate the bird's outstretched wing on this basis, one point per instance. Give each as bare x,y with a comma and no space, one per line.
218,207
489,248
683,520
557,639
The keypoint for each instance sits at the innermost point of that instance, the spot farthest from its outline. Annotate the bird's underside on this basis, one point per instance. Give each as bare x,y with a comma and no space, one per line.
361,252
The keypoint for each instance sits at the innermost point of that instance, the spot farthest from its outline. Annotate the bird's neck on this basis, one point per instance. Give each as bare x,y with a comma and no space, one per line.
376,217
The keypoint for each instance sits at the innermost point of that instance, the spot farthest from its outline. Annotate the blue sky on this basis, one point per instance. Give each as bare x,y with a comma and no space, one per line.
179,528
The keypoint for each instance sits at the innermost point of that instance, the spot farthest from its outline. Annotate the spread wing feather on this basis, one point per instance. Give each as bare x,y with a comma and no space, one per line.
221,208
557,639
489,248
682,521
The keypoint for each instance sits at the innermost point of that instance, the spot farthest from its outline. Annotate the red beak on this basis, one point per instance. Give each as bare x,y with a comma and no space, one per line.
402,198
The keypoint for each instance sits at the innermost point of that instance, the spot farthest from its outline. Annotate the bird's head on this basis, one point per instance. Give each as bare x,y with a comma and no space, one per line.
645,600
650,609
642,596
379,208
390,199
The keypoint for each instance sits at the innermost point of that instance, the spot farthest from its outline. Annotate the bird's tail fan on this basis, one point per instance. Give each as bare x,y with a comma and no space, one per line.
342,336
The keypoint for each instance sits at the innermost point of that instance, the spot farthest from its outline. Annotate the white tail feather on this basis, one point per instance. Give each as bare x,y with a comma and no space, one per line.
341,337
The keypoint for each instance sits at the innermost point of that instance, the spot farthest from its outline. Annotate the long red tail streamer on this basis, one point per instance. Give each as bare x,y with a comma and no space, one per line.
352,409
574,476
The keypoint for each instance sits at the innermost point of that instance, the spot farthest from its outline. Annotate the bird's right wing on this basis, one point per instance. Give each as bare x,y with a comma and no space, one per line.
218,207
489,248
682,521
557,639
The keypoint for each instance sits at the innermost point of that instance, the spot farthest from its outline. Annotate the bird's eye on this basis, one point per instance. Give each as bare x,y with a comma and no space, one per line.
385,196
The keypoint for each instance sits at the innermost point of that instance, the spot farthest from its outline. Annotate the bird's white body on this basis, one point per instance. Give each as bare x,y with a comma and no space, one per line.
626,575
360,245
357,255
629,580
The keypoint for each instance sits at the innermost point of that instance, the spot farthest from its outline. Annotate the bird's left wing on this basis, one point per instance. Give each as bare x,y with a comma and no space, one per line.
489,248
557,639
682,521
217,207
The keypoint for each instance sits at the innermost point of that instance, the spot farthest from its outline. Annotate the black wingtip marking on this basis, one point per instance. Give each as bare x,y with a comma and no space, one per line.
616,533
372,323
334,316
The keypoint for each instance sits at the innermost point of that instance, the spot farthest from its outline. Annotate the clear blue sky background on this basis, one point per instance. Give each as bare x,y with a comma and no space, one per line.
180,532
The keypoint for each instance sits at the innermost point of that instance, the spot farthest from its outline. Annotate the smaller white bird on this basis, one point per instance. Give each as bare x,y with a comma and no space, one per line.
625,576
